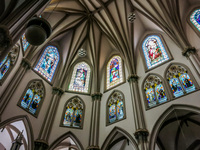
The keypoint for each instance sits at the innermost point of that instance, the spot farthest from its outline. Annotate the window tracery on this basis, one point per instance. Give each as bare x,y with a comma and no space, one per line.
114,72
33,97
48,63
73,113
80,78
154,91
116,109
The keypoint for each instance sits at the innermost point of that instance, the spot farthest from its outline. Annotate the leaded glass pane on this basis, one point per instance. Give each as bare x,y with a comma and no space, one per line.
77,118
176,87
114,72
187,82
160,93
154,51
35,103
112,113
195,18
120,110
4,68
27,98
24,42
80,78
3,61
151,99
48,62
68,117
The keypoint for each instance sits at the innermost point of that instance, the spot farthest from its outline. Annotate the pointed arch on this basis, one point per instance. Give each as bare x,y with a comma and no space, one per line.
115,131
115,107
163,117
28,128
33,97
114,72
65,136
73,113
80,78
48,63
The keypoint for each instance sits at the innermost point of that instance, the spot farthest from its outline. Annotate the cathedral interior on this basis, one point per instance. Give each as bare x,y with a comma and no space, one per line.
109,75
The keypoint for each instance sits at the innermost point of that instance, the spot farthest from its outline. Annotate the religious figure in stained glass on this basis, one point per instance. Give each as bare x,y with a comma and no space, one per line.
179,80
116,107
25,43
73,113
154,91
80,78
114,72
33,97
154,51
48,63
195,19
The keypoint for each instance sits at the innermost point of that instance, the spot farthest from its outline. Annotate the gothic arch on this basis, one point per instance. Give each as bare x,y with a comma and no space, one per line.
112,135
28,127
163,117
63,137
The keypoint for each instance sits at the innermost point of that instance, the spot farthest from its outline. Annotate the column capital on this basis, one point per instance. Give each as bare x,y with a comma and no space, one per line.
41,144
58,91
26,63
188,50
133,77
93,148
96,95
143,133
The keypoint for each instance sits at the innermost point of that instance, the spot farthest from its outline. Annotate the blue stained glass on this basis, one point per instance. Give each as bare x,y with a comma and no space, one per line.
114,71
154,51
187,83
120,110
80,78
27,98
48,62
77,118
68,117
195,18
24,42
112,113
4,68
4,60
176,87
160,93
151,99
35,103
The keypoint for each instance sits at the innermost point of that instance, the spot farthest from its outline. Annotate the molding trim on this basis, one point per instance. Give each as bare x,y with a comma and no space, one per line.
96,96
58,91
141,133
133,78
26,63
188,50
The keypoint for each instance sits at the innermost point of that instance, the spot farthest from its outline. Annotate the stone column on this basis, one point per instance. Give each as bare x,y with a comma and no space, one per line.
94,126
191,54
12,86
42,142
141,132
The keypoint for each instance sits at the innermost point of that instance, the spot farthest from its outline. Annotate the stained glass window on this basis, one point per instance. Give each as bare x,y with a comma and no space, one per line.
179,80
73,114
114,72
48,63
24,42
154,91
195,18
154,51
9,61
116,107
80,78
32,98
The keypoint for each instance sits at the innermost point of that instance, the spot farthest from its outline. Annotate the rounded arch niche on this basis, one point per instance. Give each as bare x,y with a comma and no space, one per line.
181,124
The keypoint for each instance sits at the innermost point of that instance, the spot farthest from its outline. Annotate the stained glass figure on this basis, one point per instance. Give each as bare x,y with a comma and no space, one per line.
24,42
115,107
114,72
154,91
48,63
195,19
9,61
187,82
80,78
179,80
154,51
73,114
33,97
